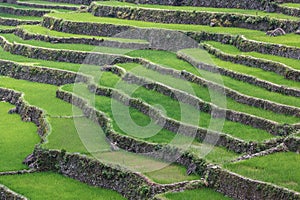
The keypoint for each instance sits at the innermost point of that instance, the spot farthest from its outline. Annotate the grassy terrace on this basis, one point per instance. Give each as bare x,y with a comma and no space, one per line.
35,29
49,3
168,59
243,69
15,134
48,186
76,47
230,49
162,136
203,93
288,39
193,8
280,169
194,195
177,111
10,16
16,6
63,130
291,5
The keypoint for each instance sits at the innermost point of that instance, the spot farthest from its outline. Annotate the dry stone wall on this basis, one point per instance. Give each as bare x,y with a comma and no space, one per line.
251,4
73,40
196,17
6,193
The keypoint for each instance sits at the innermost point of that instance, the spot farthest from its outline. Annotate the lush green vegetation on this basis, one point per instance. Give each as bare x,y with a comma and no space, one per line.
294,63
203,193
256,72
203,93
156,134
41,2
183,112
280,168
36,29
291,5
194,8
48,186
288,39
18,139
78,47
32,18
16,6
63,129
168,59
71,131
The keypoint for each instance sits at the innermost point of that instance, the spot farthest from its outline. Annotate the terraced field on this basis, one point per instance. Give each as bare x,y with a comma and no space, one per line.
167,100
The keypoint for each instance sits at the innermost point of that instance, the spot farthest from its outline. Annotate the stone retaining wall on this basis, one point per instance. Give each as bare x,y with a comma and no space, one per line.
72,40
288,11
45,6
251,4
241,98
27,112
84,2
239,76
196,17
40,74
6,193
16,22
23,12
279,68
239,187
131,185
172,125
110,30
293,144
70,56
251,120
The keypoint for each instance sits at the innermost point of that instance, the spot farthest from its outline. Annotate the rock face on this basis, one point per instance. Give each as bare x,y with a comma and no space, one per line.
276,32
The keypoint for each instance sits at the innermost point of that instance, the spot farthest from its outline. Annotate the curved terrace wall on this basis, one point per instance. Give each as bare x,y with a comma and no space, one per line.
251,4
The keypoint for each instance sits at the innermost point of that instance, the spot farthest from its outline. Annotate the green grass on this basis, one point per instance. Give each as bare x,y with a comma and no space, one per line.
36,29
203,93
230,49
49,3
288,39
243,69
48,186
281,169
18,139
291,5
203,193
204,9
43,63
186,113
168,59
159,135
82,132
170,174
6,27
32,18
40,95
88,140
78,47
16,6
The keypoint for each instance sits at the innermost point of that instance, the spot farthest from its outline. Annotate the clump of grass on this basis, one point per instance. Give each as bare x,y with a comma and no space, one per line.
50,186
280,169
18,139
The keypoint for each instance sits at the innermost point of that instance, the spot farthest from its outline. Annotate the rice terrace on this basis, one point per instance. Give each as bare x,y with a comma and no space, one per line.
150,99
